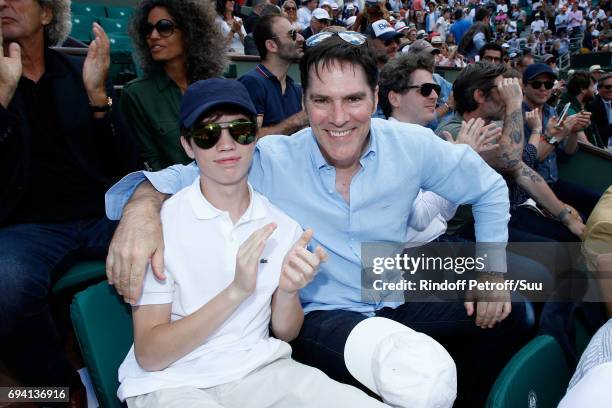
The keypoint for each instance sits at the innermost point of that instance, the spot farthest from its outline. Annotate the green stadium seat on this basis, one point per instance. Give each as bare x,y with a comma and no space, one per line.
246,10
120,42
82,27
114,25
103,326
537,376
80,274
122,13
85,9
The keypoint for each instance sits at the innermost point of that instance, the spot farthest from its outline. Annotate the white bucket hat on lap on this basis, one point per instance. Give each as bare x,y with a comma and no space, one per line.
406,368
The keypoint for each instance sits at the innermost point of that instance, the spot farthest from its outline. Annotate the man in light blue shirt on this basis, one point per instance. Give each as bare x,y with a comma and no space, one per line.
353,180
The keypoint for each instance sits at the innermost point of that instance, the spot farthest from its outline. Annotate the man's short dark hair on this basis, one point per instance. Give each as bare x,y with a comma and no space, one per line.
395,76
476,76
481,13
263,32
458,14
604,78
335,49
578,82
491,46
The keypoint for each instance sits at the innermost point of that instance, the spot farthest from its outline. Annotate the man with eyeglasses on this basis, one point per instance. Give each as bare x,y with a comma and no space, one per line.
277,98
62,143
352,179
601,109
492,53
384,38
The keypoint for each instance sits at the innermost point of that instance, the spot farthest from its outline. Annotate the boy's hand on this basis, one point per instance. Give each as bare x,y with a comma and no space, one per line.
247,261
300,265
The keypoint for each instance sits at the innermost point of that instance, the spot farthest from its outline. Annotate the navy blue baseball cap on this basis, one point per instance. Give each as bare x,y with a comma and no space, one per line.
208,93
534,70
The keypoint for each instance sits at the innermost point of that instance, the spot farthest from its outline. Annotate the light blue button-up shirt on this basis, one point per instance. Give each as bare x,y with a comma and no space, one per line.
399,160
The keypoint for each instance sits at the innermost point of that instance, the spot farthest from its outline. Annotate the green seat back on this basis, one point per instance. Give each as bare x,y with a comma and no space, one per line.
80,274
114,25
103,327
246,10
537,376
589,167
82,25
96,10
120,42
121,13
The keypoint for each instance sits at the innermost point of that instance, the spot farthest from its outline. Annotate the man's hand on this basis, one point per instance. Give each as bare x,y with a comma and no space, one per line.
247,261
10,70
511,93
96,66
300,265
480,138
137,241
492,306
534,119
577,122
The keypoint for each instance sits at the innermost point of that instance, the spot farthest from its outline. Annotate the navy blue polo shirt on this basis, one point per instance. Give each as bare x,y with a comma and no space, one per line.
267,96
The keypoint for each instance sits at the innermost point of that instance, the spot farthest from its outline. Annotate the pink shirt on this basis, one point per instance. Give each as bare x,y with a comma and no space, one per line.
574,18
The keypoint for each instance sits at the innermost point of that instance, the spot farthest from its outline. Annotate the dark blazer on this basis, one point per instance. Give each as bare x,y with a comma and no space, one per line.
102,147
599,118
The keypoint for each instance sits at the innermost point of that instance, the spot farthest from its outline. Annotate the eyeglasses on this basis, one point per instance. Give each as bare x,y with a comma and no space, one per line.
289,8
426,89
538,84
207,135
165,28
351,37
292,35
606,87
489,58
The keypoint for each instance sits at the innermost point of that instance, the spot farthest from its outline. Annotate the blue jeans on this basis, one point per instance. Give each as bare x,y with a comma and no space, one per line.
30,255
479,354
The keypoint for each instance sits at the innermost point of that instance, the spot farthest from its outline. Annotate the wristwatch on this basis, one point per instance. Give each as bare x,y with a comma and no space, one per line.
551,140
102,108
564,213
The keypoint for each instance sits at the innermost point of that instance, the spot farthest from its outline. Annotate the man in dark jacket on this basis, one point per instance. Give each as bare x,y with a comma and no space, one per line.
601,108
61,146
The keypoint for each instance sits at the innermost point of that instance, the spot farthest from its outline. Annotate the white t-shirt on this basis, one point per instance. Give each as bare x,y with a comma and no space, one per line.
537,25
304,15
201,244
236,44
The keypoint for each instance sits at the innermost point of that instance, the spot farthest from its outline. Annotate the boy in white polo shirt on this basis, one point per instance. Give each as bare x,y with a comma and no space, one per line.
233,266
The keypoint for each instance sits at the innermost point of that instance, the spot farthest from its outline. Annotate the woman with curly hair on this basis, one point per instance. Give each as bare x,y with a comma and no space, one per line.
231,26
177,43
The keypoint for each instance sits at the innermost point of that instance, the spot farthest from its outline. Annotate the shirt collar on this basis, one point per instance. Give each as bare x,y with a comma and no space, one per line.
204,210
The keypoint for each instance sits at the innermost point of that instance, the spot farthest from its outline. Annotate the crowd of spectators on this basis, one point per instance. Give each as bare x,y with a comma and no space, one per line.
509,104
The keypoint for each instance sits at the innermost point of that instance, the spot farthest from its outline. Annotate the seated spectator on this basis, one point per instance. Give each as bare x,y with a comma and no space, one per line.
492,53
580,92
481,91
385,39
601,109
231,26
277,98
590,384
304,13
319,20
177,43
290,11
202,330
61,145
596,72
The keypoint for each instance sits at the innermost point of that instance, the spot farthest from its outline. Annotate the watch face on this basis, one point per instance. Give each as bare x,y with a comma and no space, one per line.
553,140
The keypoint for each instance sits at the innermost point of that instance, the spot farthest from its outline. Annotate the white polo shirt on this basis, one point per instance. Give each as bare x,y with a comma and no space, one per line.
201,244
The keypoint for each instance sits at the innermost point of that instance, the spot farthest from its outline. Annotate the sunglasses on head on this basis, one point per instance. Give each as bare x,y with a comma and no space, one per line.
165,28
351,37
538,84
426,89
292,35
206,135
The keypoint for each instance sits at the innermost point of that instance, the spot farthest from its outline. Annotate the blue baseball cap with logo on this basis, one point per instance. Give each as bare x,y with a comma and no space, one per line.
203,95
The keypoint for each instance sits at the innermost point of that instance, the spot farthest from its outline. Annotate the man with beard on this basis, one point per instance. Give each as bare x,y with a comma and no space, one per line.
277,98
581,91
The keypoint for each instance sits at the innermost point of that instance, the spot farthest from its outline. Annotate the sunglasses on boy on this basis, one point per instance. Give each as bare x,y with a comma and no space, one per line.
538,84
426,89
206,135
164,27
